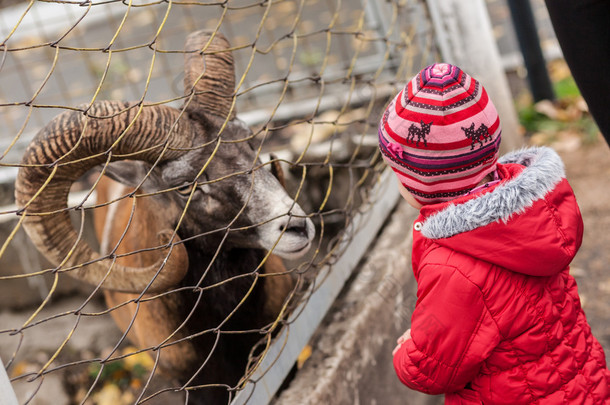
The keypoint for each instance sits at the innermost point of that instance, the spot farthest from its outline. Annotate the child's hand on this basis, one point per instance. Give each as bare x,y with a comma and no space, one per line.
405,336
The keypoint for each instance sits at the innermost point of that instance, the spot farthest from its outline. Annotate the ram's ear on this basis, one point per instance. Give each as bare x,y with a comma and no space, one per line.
276,170
133,173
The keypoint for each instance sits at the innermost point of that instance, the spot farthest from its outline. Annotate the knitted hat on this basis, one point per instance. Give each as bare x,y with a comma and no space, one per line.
440,134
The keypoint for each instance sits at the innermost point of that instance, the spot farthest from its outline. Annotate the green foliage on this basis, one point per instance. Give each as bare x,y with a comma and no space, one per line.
531,119
113,372
122,373
565,114
566,88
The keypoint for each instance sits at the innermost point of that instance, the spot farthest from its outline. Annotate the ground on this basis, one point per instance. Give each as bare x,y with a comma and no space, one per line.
566,126
588,170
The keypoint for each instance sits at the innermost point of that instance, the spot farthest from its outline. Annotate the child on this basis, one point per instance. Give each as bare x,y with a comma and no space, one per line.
498,318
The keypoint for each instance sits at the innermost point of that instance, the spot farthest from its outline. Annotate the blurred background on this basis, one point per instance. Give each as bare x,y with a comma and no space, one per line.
316,74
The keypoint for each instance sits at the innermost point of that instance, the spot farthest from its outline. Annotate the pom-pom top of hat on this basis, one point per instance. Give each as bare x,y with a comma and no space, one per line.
448,130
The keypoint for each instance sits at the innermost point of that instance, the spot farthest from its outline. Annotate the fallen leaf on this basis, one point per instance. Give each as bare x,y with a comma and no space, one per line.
139,359
303,356
547,108
110,394
567,142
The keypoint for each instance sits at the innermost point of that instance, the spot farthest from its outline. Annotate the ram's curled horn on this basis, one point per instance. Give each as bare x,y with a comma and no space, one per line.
209,74
63,151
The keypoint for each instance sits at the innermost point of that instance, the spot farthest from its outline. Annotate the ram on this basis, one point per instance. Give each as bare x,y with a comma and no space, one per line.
193,216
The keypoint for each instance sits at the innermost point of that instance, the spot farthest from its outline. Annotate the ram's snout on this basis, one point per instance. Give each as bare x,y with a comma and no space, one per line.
293,233
283,226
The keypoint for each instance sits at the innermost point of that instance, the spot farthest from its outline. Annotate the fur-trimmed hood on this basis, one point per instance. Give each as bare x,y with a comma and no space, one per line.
531,217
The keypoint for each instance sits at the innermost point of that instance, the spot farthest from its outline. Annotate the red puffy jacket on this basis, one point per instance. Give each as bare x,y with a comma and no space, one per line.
498,318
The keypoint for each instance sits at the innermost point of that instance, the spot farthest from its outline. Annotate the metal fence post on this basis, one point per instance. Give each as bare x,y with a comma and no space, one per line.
465,38
529,43
7,394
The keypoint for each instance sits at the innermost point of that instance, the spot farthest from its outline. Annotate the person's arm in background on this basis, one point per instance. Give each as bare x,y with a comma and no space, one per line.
582,28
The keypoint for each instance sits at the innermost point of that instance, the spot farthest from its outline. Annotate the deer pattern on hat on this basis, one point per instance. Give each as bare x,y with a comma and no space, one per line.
480,135
420,132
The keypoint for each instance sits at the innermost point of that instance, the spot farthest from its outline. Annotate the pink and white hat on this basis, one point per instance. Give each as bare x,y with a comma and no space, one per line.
440,134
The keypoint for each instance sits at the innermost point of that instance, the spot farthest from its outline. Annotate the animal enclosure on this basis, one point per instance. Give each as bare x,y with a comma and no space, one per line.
199,172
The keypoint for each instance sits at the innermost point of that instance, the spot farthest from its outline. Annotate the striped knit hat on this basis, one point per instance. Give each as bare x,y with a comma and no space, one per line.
440,134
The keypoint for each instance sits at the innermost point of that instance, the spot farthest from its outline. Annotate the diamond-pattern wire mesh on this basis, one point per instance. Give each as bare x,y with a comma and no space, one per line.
311,80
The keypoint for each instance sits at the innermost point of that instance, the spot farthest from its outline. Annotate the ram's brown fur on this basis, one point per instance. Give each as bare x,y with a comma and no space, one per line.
154,320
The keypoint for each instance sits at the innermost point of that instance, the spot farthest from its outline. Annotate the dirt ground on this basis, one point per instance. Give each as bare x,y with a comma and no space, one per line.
588,170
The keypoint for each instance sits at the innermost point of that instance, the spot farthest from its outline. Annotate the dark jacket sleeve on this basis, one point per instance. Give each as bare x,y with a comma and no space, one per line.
452,333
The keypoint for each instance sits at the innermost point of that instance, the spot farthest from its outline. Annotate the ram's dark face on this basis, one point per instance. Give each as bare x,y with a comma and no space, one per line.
225,188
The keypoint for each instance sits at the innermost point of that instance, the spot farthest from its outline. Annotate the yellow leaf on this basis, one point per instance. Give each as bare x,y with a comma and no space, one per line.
142,359
23,367
110,394
305,354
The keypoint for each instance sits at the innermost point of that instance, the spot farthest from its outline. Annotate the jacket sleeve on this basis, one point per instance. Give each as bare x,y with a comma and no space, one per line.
452,333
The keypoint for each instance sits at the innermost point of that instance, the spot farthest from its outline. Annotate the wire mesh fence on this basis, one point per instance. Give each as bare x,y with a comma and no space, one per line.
196,165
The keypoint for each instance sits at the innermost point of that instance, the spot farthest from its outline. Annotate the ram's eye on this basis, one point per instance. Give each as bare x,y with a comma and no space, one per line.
186,189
